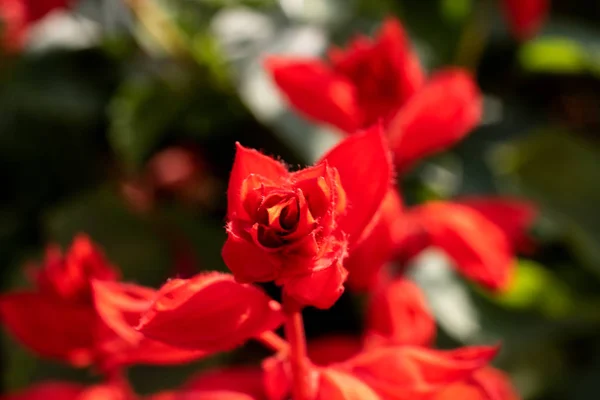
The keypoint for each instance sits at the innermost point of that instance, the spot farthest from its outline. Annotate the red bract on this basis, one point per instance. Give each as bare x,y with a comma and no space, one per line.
338,385
513,216
120,307
68,329
382,80
16,16
296,227
408,373
485,384
398,314
210,312
379,246
478,248
525,17
439,115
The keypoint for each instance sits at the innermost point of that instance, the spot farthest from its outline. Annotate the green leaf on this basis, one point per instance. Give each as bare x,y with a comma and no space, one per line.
534,287
130,241
456,11
140,115
558,55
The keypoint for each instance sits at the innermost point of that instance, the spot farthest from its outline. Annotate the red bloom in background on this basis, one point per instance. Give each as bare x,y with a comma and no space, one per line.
16,16
85,314
382,80
61,305
296,228
210,312
525,17
480,235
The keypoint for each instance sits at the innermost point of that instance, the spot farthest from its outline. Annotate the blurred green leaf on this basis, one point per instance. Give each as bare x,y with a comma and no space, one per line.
139,115
535,288
130,241
456,11
561,173
558,55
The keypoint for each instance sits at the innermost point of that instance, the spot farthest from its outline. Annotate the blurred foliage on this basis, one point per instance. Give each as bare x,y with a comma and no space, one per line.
80,127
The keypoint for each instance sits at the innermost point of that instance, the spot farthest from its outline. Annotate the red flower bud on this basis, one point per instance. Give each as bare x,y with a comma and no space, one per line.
296,228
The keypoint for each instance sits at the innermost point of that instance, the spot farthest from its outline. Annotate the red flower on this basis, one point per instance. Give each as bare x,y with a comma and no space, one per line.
16,16
398,314
525,17
485,384
296,228
61,306
382,80
210,312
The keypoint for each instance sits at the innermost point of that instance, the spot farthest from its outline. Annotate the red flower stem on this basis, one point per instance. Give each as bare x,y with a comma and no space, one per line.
294,332
273,341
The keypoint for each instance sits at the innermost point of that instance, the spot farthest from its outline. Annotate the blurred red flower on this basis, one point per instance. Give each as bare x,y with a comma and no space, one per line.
87,317
382,79
296,228
525,17
16,16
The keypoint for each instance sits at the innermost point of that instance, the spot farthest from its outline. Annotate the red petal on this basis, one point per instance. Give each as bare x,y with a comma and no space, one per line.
49,327
371,254
247,380
398,314
366,182
333,349
215,395
338,385
277,377
210,312
525,17
406,373
120,306
393,41
436,117
316,91
323,285
248,262
478,248
514,217
48,391
249,161
105,392
485,384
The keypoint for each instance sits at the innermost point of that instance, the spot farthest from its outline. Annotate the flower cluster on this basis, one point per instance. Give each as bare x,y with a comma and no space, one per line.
313,232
